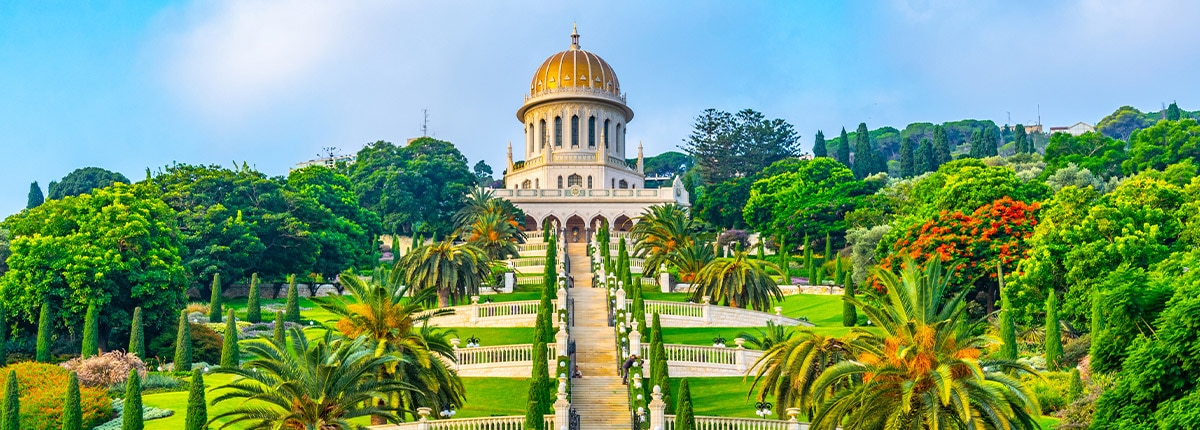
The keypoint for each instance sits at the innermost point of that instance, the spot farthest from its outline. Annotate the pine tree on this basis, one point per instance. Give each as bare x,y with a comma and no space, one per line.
183,344
197,409
72,418
843,148
230,353
131,415
1008,329
924,160
253,309
658,365
989,142
863,153
91,332
137,340
36,198
1054,346
819,149
1020,140
685,419
1173,112
1075,387
292,309
43,334
277,335
849,313
907,163
214,306
12,404
941,146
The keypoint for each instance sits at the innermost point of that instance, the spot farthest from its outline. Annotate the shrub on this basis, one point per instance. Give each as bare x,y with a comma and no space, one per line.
197,308
43,392
266,329
1076,349
206,344
156,382
105,370
1051,392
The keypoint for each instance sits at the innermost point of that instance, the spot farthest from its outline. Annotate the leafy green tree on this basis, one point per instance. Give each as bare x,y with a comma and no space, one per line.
197,407
117,247
924,160
131,417
908,166
1096,152
35,196
1162,145
43,334
811,198
739,282
668,164
12,404
253,309
230,356
842,148
292,305
728,145
1123,122
415,188
849,313
183,344
685,418
214,305
84,180
941,146
137,340
341,227
819,148
72,418
1054,346
453,270
91,333
1173,113
483,173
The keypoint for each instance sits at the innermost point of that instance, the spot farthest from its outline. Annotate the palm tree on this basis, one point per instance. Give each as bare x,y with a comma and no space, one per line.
379,310
788,369
925,370
738,281
496,233
453,270
773,334
660,232
691,258
320,385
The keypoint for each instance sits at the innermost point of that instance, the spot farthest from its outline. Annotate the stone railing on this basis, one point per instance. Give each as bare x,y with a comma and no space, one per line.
498,314
512,422
729,423
702,361
665,194
677,314
505,361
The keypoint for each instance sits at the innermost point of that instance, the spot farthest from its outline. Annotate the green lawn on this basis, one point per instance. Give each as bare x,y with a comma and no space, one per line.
485,397
491,336
820,309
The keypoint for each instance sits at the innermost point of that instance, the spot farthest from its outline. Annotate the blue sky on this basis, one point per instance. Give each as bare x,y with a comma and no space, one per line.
131,85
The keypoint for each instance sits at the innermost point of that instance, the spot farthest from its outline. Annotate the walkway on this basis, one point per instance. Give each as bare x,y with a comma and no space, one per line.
598,397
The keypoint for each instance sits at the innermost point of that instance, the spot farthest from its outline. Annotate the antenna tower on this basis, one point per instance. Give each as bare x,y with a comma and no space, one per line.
425,122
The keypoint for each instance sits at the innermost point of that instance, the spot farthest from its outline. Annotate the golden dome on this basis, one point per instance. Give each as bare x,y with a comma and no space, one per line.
575,68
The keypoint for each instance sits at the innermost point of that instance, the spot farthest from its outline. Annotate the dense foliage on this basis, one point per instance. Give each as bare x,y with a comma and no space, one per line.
84,180
415,188
727,146
42,389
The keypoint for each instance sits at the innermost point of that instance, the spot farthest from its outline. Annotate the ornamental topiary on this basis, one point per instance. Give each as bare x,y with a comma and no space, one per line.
849,313
253,309
43,334
292,310
230,355
214,304
685,419
132,418
197,410
183,348
137,340
42,392
91,332
72,418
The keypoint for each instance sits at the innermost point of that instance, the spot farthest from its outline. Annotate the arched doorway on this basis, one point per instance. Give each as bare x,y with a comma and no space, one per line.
622,223
551,221
596,222
576,229
530,223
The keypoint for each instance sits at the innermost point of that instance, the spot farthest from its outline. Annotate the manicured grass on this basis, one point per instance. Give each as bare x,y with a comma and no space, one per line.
491,336
705,335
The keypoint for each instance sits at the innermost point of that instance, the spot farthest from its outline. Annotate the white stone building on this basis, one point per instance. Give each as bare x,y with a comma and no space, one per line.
575,172
1074,129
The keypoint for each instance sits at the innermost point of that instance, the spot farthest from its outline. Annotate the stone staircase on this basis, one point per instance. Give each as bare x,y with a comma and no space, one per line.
598,397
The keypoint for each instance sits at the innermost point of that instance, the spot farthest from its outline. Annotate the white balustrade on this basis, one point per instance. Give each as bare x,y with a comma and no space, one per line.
500,354
726,423
681,309
701,354
504,309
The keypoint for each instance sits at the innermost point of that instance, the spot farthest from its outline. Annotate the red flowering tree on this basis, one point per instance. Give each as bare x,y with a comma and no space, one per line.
970,244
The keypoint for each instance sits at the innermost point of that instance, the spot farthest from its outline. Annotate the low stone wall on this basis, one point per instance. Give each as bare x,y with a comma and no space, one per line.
676,314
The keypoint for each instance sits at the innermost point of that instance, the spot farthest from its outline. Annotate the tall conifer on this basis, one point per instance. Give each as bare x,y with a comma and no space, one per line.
91,332
849,313
43,334
819,149
1008,329
230,353
197,409
137,340
131,415
72,418
864,158
1054,346
36,198
253,309
277,335
924,161
183,344
685,418
941,146
12,404
292,309
907,162
659,369
214,305
843,148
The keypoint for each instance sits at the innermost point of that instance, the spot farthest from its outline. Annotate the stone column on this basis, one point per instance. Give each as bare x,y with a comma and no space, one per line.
474,317
635,342
562,298
706,310
740,355
658,408
454,345
510,281
779,315
620,303
560,340
664,279
423,422
562,407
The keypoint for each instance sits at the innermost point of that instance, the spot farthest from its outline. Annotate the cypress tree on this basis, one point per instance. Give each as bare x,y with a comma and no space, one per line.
843,148
809,261
3,335
91,332
277,335
36,198
907,152
538,384
214,305
395,247
785,266
72,418
1020,140
550,268
863,156
292,309
230,354
762,254
819,149
131,416
197,410
685,419
1054,346
989,142
183,344
12,403
253,309
978,149
827,255
659,369
849,313
941,146
1075,387
1008,329
43,334
137,340
924,160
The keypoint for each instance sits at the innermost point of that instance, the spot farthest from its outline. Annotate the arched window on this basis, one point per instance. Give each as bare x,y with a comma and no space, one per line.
543,135
560,181
526,185
574,131
574,180
536,183
606,132
620,139
529,136
592,132
589,182
558,131
614,183
622,185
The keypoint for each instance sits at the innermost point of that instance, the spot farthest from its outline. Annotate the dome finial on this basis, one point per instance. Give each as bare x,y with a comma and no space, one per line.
575,36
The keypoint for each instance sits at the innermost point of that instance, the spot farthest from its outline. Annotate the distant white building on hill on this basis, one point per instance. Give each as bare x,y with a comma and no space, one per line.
1074,129
329,162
